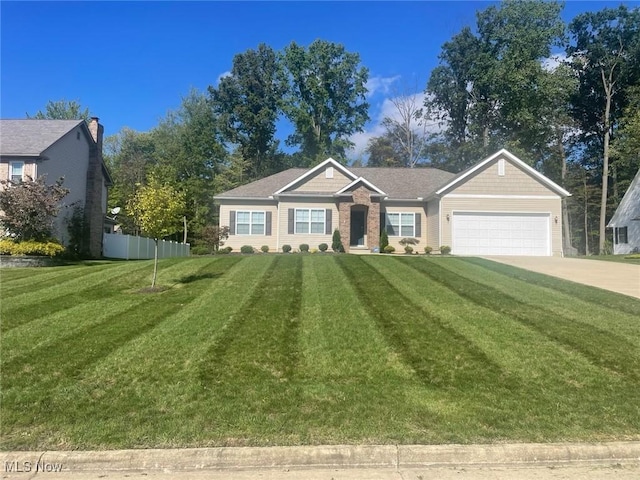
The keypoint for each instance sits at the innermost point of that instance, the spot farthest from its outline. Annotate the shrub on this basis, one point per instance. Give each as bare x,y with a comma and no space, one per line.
225,250
445,249
409,241
246,249
30,247
304,248
323,247
428,250
199,250
336,242
286,248
408,249
384,240
213,236
265,248
389,249
313,250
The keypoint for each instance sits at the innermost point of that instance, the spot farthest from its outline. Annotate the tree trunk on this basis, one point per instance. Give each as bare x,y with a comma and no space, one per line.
155,263
566,230
608,88
586,218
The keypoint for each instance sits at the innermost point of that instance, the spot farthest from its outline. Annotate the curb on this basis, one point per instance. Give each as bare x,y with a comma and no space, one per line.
330,456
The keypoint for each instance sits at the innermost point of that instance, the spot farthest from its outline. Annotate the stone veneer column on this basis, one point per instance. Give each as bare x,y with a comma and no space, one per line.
360,196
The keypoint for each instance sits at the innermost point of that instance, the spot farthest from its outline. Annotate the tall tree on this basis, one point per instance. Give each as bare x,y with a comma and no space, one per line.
408,126
326,100
604,52
490,87
247,105
62,110
383,151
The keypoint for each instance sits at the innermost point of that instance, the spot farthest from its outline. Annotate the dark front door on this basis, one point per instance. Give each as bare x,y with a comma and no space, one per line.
357,228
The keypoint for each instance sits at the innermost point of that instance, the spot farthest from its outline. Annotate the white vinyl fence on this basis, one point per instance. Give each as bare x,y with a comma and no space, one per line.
133,248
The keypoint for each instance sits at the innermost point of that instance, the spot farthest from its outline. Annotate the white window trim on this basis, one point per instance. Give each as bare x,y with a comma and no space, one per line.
251,212
413,224
12,166
295,221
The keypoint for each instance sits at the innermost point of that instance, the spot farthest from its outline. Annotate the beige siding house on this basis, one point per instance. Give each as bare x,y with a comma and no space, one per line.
501,206
71,149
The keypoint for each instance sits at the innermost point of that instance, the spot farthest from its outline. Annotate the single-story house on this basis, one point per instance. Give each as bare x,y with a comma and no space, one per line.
626,221
71,149
500,206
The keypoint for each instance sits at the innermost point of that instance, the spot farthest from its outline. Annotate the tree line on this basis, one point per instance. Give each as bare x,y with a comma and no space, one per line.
574,117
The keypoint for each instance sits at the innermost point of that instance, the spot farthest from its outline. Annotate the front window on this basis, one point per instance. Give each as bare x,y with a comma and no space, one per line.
16,171
401,224
250,223
621,235
310,220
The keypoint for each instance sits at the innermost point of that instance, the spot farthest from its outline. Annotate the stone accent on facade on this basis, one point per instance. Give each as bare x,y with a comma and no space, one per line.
94,214
365,197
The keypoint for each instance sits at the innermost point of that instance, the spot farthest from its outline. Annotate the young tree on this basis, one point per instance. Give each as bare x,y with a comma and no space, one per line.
157,209
62,110
28,208
326,100
604,52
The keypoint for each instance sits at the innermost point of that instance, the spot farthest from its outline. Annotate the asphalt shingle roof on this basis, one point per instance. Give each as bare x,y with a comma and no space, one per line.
401,183
32,137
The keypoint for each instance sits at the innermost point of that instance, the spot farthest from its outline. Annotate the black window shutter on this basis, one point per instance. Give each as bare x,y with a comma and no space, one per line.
292,213
232,222
327,218
267,227
418,225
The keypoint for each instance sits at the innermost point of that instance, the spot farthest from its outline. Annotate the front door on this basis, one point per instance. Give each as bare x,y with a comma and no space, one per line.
357,228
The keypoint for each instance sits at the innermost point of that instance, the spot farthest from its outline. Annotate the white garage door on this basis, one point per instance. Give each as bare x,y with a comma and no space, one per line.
477,233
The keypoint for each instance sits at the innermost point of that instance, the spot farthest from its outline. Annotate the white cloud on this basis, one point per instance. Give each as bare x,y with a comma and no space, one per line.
380,85
222,75
551,63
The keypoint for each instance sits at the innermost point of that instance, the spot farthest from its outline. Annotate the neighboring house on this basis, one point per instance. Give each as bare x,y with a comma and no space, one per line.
61,148
626,221
501,206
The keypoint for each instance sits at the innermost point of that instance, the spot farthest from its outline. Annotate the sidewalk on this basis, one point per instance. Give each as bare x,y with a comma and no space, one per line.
473,462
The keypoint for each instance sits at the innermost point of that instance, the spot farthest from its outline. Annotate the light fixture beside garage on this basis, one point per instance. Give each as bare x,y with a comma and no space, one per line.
448,217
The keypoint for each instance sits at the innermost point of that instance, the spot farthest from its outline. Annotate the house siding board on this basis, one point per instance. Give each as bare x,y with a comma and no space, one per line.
408,207
514,182
319,182
256,241
313,240
507,205
433,224
68,158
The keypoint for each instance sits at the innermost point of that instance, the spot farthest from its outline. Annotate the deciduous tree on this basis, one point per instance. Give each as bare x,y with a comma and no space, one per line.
326,100
62,110
157,209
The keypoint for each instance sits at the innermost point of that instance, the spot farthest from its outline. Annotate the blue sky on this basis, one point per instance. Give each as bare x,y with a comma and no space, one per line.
131,62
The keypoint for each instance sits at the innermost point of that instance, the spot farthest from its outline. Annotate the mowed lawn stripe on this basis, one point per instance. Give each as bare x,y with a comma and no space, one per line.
593,295
24,280
80,285
497,334
439,355
69,354
574,307
249,373
155,376
601,347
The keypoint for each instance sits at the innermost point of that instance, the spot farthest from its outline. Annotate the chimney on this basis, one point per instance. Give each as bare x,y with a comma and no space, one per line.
96,130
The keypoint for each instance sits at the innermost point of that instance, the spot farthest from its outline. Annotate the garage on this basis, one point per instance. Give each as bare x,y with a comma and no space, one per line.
501,233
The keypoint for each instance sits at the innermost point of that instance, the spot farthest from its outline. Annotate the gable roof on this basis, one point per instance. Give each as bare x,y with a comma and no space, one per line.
30,138
629,208
309,173
462,176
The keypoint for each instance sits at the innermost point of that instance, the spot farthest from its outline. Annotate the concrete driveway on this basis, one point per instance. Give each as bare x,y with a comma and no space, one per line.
618,277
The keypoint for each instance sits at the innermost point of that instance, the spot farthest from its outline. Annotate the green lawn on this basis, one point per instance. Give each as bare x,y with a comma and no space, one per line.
312,349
